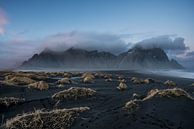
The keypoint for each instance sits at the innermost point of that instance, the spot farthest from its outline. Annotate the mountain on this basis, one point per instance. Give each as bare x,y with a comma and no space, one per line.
72,58
146,58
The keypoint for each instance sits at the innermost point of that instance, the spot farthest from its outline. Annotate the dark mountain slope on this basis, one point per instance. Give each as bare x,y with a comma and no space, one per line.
82,59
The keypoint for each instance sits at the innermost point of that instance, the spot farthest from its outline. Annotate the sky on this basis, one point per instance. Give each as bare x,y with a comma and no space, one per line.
26,26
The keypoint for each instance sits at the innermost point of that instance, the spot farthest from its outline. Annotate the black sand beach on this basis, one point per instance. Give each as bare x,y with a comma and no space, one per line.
107,105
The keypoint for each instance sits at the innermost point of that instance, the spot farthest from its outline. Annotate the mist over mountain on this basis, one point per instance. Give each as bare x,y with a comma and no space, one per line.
135,58
16,52
147,58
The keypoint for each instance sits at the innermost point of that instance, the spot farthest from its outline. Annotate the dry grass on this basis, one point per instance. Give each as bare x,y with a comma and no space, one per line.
55,74
65,81
170,93
31,75
55,119
74,93
148,81
8,101
17,80
67,75
41,85
136,96
99,75
169,83
155,93
120,77
108,80
136,80
122,86
60,85
88,75
107,76
131,105
88,78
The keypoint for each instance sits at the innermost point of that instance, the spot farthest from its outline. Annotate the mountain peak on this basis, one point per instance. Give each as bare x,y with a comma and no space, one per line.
72,49
47,50
74,58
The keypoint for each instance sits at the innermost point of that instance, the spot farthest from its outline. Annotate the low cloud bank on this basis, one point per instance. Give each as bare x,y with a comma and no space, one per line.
86,40
14,52
175,47
165,42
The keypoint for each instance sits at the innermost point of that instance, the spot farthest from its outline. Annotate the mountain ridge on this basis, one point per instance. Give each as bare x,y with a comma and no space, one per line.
135,58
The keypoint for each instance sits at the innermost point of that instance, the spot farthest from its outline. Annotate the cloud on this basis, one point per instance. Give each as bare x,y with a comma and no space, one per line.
3,21
187,60
173,45
86,40
165,42
15,51
190,54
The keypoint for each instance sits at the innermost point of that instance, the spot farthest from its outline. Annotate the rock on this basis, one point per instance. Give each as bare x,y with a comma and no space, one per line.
135,58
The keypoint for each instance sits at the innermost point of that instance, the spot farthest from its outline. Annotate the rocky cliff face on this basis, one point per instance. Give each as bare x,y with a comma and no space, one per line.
71,59
146,58
135,58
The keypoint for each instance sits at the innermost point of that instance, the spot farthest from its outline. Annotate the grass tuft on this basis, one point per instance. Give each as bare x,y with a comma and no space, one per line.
74,93
41,85
55,119
8,101
169,83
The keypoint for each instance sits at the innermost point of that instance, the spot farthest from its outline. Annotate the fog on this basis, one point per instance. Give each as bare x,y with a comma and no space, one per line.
171,73
14,52
86,40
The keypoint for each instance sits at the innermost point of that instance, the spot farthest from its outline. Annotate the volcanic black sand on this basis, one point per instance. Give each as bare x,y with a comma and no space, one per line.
107,106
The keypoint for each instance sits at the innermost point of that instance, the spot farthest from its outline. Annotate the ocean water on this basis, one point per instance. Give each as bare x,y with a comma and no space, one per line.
174,73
